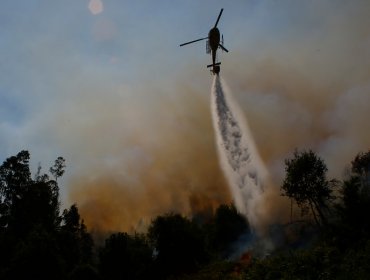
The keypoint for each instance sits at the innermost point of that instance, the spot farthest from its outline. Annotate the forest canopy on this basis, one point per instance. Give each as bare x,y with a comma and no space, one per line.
38,240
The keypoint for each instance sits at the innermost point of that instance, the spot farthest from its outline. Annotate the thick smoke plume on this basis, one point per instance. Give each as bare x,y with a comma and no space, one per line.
311,89
299,72
167,167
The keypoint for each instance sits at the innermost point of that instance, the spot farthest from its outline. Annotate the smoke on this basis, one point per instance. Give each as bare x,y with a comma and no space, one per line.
288,110
306,87
164,161
135,125
309,92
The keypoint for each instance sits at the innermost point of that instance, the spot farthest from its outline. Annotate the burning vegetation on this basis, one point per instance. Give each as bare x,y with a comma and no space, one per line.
330,238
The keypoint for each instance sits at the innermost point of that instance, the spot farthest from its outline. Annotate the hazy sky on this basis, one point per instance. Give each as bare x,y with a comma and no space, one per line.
106,85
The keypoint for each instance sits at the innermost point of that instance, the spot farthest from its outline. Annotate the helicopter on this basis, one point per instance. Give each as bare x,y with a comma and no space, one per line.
213,44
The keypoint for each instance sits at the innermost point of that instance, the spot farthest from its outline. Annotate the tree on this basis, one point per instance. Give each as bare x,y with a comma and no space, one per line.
35,257
77,243
24,202
125,257
361,167
58,169
179,245
225,230
15,177
355,200
306,183
29,220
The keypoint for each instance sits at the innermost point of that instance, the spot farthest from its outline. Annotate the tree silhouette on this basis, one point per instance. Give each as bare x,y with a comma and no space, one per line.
58,169
29,220
179,245
306,183
356,199
77,249
361,167
125,257
26,203
15,177
35,256
227,227
39,242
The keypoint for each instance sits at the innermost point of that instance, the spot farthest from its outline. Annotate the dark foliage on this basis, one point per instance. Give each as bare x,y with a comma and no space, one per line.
35,240
38,242
361,165
77,243
178,243
226,228
342,250
58,169
125,257
306,183
353,224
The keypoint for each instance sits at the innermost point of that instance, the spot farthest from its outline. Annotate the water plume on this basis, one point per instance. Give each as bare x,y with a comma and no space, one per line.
239,159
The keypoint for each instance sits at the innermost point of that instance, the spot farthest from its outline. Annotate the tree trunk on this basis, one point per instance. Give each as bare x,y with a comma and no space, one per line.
321,214
314,214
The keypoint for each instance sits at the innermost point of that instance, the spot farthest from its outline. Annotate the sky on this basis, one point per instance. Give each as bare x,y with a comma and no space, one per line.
104,84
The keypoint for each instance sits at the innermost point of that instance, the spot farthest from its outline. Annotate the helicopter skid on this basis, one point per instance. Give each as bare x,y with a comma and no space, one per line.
216,64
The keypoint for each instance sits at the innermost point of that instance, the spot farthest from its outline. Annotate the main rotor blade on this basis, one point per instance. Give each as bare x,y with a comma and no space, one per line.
218,17
193,41
222,47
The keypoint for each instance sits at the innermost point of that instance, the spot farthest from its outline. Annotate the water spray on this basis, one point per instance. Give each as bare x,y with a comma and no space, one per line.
239,158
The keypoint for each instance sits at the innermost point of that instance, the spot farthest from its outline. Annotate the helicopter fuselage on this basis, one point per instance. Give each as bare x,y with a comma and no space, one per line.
212,45
214,38
214,41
